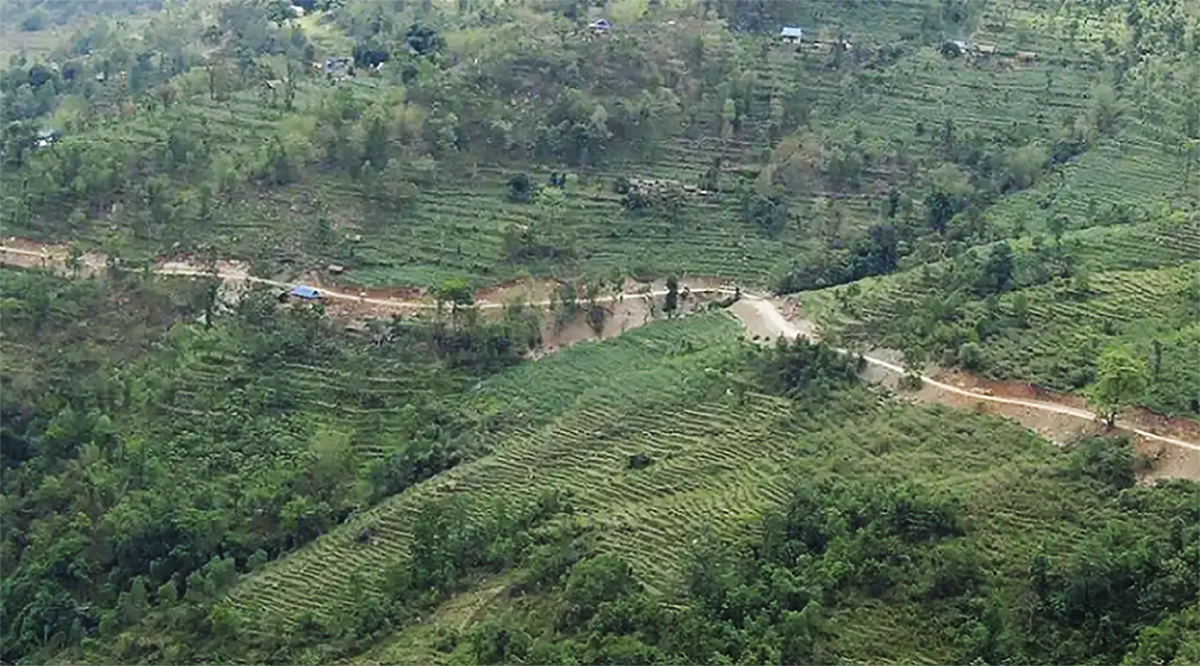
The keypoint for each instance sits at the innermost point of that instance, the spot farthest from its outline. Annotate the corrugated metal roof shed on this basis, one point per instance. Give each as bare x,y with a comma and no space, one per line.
304,291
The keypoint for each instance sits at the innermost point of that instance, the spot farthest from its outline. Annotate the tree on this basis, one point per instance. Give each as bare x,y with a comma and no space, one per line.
519,188
1121,382
422,40
769,214
728,117
996,276
1057,225
672,301
456,292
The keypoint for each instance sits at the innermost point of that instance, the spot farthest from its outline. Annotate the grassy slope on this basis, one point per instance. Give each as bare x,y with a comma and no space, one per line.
590,392
1015,508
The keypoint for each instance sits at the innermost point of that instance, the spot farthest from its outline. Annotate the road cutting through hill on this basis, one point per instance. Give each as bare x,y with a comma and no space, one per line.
769,323
759,314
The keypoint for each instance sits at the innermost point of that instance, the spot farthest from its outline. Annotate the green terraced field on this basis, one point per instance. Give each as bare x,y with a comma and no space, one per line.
456,226
722,458
1015,509
602,406
1116,256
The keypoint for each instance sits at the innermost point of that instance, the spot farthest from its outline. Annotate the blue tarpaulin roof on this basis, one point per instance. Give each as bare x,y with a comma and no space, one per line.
304,291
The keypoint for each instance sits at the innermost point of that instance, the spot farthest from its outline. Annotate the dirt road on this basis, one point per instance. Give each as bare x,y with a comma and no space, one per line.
20,253
764,319
761,317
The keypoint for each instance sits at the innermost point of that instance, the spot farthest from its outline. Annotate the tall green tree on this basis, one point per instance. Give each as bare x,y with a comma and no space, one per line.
1121,382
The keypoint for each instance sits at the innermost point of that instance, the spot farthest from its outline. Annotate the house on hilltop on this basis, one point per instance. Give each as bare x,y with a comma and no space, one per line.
791,34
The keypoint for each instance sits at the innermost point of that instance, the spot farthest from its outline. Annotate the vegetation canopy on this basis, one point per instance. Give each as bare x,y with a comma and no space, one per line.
452,447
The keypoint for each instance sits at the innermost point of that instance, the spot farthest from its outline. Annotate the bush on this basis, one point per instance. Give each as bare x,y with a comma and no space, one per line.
520,189
970,356
768,214
640,461
1109,460
33,21
802,365
598,580
422,40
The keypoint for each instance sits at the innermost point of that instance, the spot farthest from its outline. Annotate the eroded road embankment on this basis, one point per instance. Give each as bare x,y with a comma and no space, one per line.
1177,457
760,315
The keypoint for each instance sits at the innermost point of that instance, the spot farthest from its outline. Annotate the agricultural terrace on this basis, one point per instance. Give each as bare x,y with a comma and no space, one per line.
1134,285
771,158
707,468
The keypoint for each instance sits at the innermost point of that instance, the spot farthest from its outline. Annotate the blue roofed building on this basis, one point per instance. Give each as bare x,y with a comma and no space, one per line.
305,292
791,34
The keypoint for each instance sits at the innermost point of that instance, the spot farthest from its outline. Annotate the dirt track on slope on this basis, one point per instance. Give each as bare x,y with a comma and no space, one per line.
1059,419
633,307
31,254
1156,437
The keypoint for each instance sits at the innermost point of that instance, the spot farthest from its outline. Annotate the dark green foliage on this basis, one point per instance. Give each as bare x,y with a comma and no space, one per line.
1109,460
33,21
841,547
942,208
762,599
415,463
640,461
996,275
799,366
597,581
768,214
107,409
520,189
447,545
422,40
875,254
369,55
661,200
672,299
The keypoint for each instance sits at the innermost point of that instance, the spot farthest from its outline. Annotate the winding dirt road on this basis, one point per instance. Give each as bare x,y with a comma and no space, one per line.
235,275
778,325
758,313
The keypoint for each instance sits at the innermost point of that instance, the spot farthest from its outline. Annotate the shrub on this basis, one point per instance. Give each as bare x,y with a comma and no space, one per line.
640,461
1105,459
422,40
768,214
970,356
520,189
33,21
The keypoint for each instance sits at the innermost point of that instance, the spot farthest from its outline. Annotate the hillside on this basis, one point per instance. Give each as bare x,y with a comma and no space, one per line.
421,466
401,174
647,461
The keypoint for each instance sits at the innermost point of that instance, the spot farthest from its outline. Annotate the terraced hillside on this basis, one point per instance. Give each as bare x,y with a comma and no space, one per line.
890,115
1006,187
606,411
1018,507
1128,285
721,457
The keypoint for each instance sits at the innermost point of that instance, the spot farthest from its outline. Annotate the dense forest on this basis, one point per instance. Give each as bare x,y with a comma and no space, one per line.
193,471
